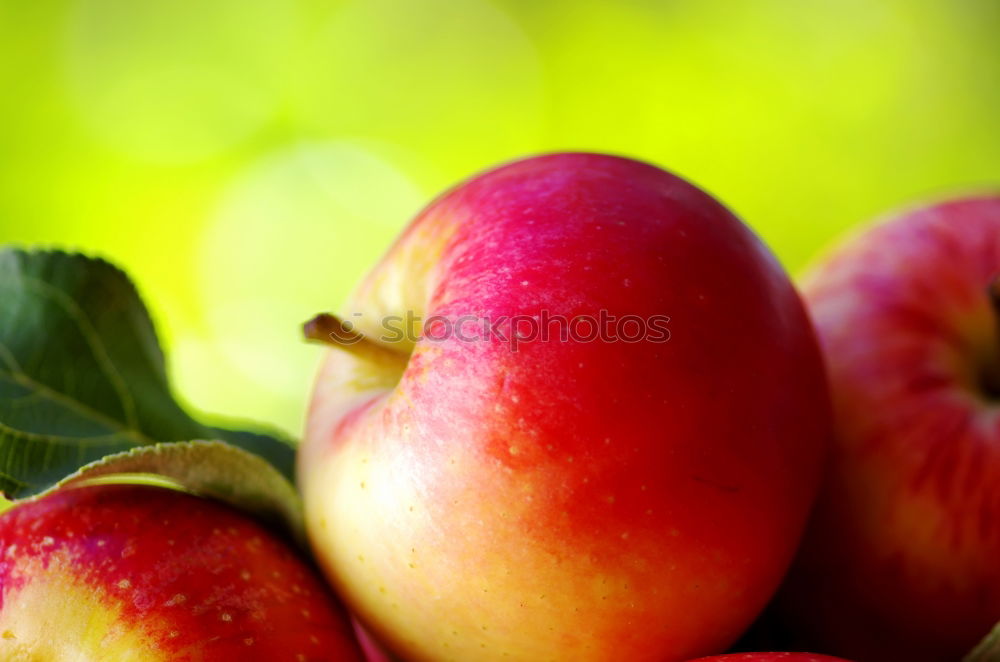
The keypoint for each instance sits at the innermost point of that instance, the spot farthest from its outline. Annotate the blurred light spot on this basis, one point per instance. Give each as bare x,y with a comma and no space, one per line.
177,80
456,80
290,238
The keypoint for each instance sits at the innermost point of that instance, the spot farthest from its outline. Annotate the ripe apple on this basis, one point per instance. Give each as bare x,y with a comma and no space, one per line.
770,657
903,557
483,494
131,572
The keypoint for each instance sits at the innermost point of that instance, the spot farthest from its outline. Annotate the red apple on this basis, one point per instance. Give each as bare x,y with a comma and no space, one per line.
480,495
903,557
771,657
126,572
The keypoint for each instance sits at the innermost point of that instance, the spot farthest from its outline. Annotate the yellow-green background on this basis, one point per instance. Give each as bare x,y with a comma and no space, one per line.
246,160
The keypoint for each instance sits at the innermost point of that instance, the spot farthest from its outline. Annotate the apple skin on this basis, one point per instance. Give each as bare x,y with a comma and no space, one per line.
770,657
902,560
568,500
373,650
127,572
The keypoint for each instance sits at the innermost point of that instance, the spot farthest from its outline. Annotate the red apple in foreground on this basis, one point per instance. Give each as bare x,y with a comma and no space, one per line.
771,657
903,557
126,572
486,493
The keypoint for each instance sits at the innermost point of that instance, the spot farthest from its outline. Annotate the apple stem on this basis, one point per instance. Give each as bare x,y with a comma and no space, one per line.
331,330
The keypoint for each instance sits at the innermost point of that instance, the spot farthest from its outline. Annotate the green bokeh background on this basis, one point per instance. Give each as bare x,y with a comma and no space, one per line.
246,160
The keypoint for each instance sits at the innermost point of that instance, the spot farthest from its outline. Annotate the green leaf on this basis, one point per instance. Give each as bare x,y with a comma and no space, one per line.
212,469
82,375
988,649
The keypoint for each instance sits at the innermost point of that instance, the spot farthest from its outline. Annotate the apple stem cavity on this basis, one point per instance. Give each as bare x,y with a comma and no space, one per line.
990,378
330,330
994,294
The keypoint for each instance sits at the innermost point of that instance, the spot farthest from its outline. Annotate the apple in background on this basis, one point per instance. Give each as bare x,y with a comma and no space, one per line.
128,572
903,556
474,498
771,657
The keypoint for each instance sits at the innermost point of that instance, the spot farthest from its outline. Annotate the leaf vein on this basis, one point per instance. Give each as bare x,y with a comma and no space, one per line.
94,343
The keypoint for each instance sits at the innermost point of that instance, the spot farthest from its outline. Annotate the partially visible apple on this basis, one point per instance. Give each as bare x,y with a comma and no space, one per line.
771,657
478,495
124,572
903,557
